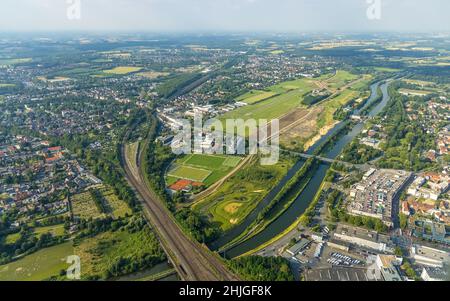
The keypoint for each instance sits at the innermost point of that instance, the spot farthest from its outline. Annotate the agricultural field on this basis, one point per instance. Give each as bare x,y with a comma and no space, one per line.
76,72
415,92
277,52
206,169
238,196
54,79
419,82
7,85
423,62
11,62
38,266
384,69
122,70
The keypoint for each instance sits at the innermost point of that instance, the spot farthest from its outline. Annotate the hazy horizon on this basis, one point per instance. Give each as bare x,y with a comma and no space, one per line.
224,15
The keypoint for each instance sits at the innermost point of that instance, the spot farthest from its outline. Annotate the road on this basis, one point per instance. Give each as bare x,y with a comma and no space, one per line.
328,160
192,261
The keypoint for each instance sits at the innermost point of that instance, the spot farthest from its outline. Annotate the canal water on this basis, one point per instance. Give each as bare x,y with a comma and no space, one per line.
303,201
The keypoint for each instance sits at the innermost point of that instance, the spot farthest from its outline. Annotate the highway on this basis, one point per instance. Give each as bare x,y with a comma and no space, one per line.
192,261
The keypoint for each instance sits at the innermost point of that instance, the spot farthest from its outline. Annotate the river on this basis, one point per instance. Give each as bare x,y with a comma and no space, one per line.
303,201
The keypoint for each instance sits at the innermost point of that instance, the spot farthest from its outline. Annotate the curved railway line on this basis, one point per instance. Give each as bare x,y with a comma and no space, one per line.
192,261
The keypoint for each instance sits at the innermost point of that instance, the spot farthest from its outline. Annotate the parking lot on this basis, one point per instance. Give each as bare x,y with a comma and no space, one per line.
339,259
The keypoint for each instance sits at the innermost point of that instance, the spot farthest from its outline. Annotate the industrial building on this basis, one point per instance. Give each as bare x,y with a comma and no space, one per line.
376,195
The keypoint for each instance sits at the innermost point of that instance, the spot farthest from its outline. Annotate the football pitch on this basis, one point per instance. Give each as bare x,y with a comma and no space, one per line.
190,173
203,168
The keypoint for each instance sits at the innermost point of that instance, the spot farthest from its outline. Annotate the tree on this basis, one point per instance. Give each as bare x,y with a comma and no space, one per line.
398,252
256,268
403,221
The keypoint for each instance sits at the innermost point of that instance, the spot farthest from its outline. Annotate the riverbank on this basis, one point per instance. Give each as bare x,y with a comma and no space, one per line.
302,203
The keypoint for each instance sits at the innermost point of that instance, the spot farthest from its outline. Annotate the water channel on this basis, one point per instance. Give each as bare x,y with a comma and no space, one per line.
303,201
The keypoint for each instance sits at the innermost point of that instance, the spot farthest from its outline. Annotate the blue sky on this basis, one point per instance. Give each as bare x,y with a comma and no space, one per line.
226,15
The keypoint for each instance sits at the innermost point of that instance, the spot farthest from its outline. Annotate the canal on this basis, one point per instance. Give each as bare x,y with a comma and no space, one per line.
303,201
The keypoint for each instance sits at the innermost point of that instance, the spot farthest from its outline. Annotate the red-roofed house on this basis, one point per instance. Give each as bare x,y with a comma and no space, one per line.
54,149
433,176
405,208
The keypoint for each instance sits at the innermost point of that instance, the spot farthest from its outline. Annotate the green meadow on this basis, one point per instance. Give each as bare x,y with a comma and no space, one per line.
38,266
239,195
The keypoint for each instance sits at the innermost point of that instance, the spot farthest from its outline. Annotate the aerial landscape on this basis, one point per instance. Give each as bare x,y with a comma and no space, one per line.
105,174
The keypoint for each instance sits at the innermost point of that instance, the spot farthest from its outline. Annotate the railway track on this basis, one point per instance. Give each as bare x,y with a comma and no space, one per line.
192,261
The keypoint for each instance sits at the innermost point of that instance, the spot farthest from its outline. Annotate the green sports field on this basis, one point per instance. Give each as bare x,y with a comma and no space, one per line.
189,173
201,168
212,162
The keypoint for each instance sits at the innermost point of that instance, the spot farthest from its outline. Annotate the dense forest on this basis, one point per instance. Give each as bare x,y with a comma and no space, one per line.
359,153
255,268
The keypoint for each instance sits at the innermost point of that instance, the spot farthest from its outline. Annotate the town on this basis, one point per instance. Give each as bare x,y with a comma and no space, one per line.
89,163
